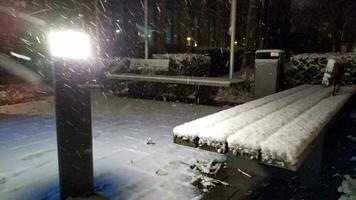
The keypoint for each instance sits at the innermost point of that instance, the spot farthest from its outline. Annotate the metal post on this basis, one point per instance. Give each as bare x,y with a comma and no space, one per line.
232,39
74,132
146,29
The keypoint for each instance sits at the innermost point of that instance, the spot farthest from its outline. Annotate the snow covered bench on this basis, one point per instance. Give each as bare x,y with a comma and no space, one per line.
188,133
278,130
150,65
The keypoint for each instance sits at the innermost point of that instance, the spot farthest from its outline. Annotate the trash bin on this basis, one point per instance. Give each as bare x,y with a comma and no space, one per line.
268,71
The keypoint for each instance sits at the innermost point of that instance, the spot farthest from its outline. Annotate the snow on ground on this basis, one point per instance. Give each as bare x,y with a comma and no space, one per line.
248,139
125,166
291,140
191,130
348,188
34,107
218,133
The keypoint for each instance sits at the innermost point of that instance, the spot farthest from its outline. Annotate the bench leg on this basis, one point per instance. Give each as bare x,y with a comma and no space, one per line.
196,94
309,174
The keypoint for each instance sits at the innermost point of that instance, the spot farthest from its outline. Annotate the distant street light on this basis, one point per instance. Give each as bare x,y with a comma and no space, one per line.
70,50
189,41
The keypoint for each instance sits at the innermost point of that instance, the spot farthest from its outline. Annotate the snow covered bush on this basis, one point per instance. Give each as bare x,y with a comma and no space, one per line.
347,188
310,68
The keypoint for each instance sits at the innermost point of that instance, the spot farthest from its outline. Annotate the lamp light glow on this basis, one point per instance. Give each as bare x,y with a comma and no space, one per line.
69,44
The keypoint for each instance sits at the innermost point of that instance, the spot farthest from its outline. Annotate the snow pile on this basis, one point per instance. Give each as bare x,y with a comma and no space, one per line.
190,130
206,183
217,135
247,140
348,188
150,141
203,170
210,168
290,141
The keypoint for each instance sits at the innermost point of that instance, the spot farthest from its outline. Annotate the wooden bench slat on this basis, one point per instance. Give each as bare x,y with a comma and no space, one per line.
335,106
191,129
222,131
246,140
318,117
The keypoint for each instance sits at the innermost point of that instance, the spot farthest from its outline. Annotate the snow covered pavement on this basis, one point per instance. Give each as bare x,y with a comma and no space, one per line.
125,166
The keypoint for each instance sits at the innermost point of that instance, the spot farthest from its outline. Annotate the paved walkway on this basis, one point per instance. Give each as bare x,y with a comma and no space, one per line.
125,166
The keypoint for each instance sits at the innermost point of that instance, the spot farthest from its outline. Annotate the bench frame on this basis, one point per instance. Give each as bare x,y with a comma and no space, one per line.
184,80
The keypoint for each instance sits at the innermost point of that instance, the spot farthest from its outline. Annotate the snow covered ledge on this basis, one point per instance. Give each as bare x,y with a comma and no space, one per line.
287,146
276,129
246,142
187,133
216,136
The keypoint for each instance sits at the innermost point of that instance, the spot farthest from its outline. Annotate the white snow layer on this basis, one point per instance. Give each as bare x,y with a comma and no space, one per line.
190,130
280,126
248,139
292,139
219,132
328,72
348,188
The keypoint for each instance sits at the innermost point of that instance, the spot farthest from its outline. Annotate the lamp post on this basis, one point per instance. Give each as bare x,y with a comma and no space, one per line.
146,28
232,37
70,50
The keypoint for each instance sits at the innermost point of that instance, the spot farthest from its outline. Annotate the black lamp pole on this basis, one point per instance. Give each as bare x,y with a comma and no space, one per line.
74,131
